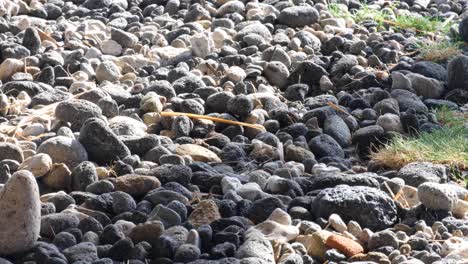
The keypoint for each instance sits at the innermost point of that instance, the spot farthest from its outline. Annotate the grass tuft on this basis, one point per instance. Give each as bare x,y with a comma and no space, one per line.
421,24
448,145
438,51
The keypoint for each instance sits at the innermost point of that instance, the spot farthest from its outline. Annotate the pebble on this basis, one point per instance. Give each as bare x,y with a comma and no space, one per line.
437,196
39,165
21,220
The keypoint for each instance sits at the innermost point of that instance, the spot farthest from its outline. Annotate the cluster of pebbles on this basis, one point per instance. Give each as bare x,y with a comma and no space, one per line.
98,165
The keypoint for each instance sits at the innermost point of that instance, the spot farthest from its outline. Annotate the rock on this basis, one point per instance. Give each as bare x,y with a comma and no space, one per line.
186,253
426,87
348,246
21,213
298,16
39,165
367,137
325,146
337,223
256,247
407,100
64,150
123,125
315,243
384,238
204,213
457,68
148,231
165,215
125,39
56,223
390,123
437,196
10,151
59,177
85,252
417,173
9,67
336,127
101,143
32,40
83,175
236,74
77,111
277,73
263,208
255,27
201,45
111,47
277,227
171,56
136,185
463,30
107,71
401,82
369,207
431,70
198,153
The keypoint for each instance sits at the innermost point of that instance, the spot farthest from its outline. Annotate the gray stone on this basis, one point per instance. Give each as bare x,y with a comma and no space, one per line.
370,207
101,143
83,175
336,127
417,173
64,150
77,111
298,16
458,68
426,87
20,220
384,238
256,247
407,99
107,71
437,196
11,151
83,252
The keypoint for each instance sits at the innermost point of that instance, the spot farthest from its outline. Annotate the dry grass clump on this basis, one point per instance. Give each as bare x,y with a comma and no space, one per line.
439,51
448,145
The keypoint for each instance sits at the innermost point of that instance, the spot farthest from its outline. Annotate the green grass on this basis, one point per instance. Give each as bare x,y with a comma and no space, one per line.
448,145
420,24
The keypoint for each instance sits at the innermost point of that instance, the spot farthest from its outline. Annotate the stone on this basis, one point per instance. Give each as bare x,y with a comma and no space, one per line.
201,45
400,81
171,56
384,238
336,127
407,100
390,123
457,67
123,125
111,47
125,39
65,150
345,245
369,207
315,243
107,71
277,73
430,69
148,231
256,247
426,87
198,153
136,185
58,177
204,213
325,145
298,16
463,29
11,151
9,67
77,111
85,252
417,173
437,196
236,74
39,164
20,221
337,223
101,143
32,40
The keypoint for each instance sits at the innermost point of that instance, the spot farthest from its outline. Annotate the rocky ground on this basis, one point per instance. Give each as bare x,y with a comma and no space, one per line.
103,158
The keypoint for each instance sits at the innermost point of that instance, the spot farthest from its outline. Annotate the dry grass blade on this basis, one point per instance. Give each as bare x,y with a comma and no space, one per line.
214,119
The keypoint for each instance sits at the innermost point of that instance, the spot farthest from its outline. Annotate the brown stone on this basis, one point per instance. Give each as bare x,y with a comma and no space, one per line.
136,185
345,245
198,153
204,213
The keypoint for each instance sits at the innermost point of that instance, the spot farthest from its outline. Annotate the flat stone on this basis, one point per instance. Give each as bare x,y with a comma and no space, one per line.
198,153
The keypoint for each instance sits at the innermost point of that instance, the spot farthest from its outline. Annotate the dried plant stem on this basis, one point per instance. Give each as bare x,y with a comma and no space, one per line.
214,119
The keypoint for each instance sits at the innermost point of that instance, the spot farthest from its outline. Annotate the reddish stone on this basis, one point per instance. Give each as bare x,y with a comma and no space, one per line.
345,245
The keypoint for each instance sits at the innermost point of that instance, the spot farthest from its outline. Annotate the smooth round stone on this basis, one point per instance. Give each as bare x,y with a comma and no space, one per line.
20,220
437,196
